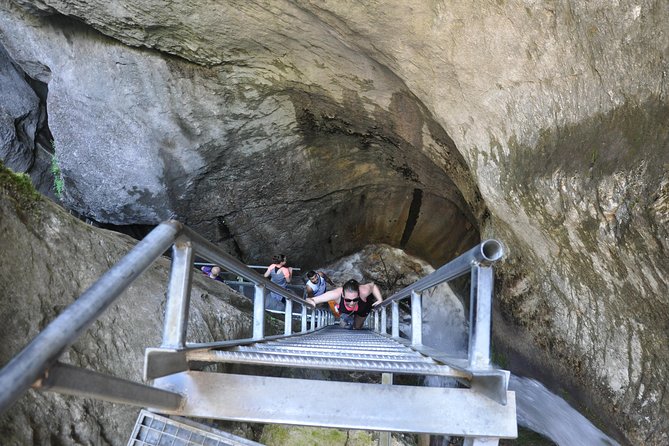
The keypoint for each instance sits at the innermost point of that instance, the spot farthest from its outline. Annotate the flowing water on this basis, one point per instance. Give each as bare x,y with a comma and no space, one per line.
538,409
445,328
544,412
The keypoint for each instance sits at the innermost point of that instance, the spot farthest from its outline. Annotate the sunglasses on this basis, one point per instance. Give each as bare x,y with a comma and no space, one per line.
352,300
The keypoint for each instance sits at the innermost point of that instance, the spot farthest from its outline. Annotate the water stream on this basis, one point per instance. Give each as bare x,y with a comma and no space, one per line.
544,412
445,328
538,408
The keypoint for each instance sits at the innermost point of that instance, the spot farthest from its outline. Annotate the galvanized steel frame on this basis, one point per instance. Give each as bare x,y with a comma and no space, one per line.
478,263
32,366
37,364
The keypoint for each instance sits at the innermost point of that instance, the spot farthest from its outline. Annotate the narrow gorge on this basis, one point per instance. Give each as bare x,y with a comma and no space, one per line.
318,128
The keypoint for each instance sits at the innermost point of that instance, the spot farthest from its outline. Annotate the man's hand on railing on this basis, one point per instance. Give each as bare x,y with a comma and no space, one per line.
376,302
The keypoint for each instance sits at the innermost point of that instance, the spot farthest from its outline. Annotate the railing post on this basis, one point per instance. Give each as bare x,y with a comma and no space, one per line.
304,318
416,319
376,321
384,321
259,312
288,318
480,309
313,319
396,320
178,295
385,438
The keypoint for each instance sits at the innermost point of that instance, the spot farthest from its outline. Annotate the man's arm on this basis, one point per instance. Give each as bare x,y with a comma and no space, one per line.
325,297
269,269
327,279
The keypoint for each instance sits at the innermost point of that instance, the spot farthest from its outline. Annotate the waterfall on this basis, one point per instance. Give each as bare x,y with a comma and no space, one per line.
544,412
538,409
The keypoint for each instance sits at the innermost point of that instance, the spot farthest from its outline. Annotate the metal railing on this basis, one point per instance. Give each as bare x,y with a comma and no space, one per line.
37,364
478,263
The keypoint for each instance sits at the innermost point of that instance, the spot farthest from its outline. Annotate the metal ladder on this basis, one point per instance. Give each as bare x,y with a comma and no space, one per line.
337,404
480,408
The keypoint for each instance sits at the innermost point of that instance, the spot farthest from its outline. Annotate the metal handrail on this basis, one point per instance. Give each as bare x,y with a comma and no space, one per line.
212,252
485,253
42,353
26,367
260,267
478,262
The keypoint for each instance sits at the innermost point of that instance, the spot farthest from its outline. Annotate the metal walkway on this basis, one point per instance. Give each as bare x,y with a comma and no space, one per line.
338,404
184,379
332,348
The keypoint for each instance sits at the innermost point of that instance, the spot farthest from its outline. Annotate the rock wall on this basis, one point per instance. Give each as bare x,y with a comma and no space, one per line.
50,258
314,128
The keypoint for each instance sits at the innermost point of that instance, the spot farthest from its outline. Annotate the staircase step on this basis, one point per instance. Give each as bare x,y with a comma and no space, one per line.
339,353
330,363
331,348
383,407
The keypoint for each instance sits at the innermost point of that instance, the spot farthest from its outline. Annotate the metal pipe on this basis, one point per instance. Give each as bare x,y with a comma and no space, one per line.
250,266
480,320
70,380
485,253
416,319
303,319
259,312
288,318
17,376
384,321
175,325
396,320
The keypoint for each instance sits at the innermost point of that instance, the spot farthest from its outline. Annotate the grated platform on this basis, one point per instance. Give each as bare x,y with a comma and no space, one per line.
156,430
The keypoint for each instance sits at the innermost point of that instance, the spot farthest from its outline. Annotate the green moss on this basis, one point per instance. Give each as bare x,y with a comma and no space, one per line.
499,358
18,188
280,435
58,183
597,146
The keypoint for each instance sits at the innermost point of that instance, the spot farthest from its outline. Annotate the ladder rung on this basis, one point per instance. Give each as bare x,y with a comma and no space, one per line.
383,407
330,363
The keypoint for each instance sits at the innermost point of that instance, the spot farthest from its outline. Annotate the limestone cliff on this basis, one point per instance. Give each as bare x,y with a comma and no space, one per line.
315,128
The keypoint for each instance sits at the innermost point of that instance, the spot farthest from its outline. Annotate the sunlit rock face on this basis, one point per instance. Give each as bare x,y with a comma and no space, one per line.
315,128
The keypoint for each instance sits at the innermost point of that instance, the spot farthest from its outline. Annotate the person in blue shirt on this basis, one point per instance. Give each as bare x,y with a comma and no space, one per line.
280,274
213,272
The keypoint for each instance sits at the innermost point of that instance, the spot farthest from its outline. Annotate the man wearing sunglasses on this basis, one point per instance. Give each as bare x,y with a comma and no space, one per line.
353,301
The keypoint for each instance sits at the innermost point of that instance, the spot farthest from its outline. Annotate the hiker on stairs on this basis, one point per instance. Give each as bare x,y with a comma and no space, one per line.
354,301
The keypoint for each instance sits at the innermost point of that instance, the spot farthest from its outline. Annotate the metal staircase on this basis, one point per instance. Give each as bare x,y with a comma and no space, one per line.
479,407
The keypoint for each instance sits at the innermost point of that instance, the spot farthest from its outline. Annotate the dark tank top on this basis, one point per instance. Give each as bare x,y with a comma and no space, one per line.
363,307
